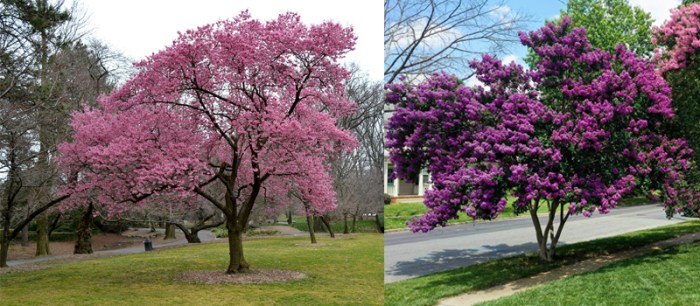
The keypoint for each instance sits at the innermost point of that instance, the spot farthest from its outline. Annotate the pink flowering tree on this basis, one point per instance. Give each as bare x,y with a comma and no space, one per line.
678,42
575,134
249,105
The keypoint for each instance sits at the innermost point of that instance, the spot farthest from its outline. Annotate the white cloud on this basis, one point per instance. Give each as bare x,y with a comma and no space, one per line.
473,81
660,9
436,37
509,58
501,12
504,15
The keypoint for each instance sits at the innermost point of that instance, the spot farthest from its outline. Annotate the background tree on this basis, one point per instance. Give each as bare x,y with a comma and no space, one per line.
423,37
678,60
609,22
357,176
251,105
48,69
576,133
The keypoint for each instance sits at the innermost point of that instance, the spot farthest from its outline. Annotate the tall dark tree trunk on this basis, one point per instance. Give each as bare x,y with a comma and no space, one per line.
289,217
237,262
84,233
5,239
327,225
169,231
42,235
346,230
354,221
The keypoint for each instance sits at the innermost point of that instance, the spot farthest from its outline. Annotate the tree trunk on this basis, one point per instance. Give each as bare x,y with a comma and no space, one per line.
310,223
346,230
237,262
4,249
354,220
327,225
42,235
190,234
152,226
4,242
289,217
169,231
84,233
547,251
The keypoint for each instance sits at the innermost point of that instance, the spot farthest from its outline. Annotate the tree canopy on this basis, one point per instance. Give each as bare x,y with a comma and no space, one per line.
247,104
583,128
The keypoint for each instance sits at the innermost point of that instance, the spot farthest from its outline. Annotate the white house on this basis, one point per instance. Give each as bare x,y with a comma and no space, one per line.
400,190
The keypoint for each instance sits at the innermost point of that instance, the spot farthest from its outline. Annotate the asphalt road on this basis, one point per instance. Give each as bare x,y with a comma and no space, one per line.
408,255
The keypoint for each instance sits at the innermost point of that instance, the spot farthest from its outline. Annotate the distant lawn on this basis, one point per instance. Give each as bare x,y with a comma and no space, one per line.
361,226
667,277
429,289
349,271
396,215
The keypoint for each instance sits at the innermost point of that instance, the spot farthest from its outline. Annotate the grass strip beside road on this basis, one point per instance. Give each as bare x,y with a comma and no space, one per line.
664,277
396,215
429,289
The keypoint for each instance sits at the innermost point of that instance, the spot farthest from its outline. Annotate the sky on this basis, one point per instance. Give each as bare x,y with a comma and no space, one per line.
550,9
139,28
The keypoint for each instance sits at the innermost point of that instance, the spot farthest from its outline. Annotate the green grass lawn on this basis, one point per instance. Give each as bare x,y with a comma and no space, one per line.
427,290
361,226
666,277
396,215
349,271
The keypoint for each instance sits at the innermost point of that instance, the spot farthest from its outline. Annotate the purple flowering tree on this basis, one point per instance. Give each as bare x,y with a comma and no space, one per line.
575,134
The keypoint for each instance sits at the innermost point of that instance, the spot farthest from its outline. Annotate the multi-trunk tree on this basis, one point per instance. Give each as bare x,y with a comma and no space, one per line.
246,103
575,134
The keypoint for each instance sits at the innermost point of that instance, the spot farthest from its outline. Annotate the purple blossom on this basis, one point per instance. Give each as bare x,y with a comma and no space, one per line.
582,128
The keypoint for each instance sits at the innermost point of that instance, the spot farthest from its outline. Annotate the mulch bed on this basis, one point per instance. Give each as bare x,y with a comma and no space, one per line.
258,276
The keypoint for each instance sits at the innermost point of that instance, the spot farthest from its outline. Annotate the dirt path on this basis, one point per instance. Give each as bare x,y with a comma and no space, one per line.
131,242
100,242
560,273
